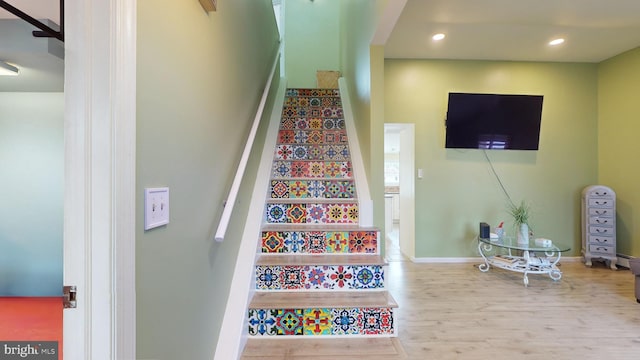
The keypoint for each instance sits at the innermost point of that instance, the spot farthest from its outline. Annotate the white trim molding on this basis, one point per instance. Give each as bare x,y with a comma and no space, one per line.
233,334
99,200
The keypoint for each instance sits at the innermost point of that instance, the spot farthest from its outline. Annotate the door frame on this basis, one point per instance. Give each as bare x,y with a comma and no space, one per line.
99,200
407,215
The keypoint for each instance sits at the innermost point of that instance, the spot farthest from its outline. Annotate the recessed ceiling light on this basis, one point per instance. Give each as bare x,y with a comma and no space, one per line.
8,69
438,37
556,41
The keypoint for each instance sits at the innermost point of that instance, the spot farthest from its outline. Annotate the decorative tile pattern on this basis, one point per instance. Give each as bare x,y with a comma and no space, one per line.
277,213
336,152
345,321
289,322
284,152
292,278
281,169
316,189
299,169
319,277
315,152
311,166
315,137
317,322
295,242
341,213
315,101
375,321
299,152
363,242
337,241
315,213
297,213
319,241
301,137
288,124
286,137
279,189
321,321
340,189
341,277
316,169
315,123
268,277
316,277
298,189
273,241
368,277
262,322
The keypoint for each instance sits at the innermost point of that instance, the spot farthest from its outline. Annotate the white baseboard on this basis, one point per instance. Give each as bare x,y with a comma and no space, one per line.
441,260
460,260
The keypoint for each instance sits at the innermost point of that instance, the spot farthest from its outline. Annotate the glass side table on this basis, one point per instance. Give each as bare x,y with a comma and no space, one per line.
534,259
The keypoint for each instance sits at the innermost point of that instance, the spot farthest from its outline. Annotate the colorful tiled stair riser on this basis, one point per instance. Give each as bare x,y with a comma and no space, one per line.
317,242
312,186
296,277
339,321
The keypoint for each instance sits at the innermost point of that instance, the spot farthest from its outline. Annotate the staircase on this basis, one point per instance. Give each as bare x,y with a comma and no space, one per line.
319,274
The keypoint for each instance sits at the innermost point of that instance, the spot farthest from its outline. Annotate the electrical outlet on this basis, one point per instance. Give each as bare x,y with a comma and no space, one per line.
156,207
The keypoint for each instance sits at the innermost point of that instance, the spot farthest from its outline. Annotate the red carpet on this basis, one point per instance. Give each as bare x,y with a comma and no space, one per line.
31,319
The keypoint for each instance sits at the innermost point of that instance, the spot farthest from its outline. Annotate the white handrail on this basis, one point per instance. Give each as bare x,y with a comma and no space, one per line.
235,186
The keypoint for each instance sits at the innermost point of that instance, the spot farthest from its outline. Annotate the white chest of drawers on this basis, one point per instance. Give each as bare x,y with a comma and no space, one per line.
599,225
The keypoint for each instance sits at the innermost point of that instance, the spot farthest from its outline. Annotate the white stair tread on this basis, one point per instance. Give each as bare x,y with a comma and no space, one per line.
317,227
321,299
313,201
300,347
324,259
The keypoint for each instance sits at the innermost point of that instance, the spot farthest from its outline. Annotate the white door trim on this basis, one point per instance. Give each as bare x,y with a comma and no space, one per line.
99,201
407,190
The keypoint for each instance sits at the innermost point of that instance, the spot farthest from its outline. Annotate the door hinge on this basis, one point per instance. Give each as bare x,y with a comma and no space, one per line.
69,297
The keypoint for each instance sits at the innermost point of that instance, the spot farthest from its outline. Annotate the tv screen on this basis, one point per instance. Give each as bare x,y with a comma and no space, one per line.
493,121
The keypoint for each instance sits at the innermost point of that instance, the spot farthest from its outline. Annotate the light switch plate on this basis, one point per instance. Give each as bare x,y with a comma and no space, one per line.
156,207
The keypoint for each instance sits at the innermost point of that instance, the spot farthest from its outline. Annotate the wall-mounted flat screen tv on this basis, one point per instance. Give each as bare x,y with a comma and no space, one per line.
493,121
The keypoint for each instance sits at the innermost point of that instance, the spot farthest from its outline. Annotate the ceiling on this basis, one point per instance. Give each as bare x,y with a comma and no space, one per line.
39,59
514,30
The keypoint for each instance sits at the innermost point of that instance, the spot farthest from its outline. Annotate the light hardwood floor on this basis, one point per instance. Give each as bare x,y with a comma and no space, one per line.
454,311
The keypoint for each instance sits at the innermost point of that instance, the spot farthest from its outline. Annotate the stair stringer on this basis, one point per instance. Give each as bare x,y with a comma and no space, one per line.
357,163
233,336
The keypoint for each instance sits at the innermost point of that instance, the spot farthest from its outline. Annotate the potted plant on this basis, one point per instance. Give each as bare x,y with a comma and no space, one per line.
520,214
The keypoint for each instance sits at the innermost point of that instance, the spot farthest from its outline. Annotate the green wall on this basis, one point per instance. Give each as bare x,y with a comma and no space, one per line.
619,108
200,78
31,189
363,69
312,40
459,189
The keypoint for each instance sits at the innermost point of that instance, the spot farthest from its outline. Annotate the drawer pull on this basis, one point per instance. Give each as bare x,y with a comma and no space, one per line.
601,240
601,193
601,203
598,212
602,231
599,221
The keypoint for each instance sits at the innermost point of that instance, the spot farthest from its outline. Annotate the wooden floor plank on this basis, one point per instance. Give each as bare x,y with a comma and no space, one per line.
372,348
454,311
321,299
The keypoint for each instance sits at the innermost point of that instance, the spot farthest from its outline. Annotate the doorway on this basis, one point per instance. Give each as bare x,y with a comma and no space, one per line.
399,167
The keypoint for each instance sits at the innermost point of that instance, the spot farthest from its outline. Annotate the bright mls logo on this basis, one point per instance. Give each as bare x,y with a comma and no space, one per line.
31,350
